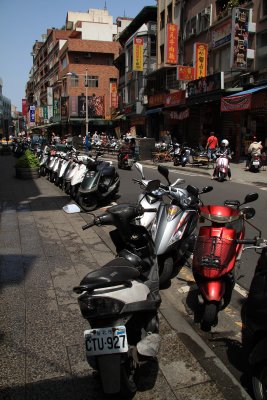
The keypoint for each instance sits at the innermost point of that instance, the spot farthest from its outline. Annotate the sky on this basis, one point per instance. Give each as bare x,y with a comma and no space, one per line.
24,21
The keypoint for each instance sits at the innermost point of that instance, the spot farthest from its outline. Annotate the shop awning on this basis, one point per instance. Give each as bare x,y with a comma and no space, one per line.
240,101
153,111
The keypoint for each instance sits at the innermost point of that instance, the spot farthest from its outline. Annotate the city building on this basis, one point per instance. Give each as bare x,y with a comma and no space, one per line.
5,114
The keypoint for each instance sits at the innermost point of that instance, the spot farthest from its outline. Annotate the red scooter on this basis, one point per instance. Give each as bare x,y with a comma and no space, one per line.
216,253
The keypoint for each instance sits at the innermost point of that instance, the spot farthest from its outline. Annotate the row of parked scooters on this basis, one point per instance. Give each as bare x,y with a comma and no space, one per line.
152,238
89,181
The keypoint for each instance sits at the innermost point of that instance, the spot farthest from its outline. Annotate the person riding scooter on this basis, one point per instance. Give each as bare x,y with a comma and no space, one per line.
224,150
125,155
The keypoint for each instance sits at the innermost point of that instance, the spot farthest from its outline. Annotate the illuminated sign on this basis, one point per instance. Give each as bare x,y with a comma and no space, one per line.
171,43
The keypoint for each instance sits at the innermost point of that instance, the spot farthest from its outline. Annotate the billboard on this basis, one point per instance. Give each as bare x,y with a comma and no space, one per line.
185,73
200,60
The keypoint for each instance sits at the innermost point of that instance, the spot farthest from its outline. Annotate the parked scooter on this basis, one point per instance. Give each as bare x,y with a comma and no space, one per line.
100,184
174,224
254,313
120,301
183,156
215,255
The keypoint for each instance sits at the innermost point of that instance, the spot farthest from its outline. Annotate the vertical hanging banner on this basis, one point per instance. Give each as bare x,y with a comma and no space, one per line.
32,113
24,107
138,50
113,95
200,60
171,43
239,39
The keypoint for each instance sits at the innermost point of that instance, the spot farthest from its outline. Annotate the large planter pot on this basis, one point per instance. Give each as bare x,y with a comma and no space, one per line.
27,173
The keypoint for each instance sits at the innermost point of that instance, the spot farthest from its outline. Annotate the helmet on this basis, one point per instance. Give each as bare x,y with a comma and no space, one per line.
225,143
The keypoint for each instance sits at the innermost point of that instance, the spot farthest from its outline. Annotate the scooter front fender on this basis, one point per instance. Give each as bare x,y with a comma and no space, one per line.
212,290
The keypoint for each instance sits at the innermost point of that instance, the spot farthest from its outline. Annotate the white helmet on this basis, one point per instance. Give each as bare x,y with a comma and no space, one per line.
225,143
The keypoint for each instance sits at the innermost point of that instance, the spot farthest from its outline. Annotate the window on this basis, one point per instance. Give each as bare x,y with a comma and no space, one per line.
221,59
162,20
153,46
264,8
92,81
64,62
74,81
169,14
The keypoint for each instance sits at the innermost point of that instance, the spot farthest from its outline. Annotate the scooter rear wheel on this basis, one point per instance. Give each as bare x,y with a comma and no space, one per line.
259,382
88,203
210,316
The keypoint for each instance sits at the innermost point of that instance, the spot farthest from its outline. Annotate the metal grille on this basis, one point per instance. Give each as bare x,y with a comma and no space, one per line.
213,252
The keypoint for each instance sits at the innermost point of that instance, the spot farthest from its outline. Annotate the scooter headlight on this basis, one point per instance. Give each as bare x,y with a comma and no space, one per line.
90,174
171,212
94,307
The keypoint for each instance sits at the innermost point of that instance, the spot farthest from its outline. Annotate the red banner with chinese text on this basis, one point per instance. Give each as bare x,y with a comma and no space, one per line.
138,47
185,73
171,43
236,103
24,107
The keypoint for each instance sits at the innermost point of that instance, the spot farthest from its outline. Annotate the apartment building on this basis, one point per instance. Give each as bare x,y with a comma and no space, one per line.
73,81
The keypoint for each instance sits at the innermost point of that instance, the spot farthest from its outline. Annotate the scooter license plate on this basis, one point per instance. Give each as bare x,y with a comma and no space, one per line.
106,341
256,163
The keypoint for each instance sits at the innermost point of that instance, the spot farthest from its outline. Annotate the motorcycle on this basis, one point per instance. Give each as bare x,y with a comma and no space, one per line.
174,223
183,157
222,166
254,312
125,160
100,183
255,163
120,301
215,255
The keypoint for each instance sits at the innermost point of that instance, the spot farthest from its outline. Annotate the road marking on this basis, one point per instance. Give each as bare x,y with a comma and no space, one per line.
187,288
241,290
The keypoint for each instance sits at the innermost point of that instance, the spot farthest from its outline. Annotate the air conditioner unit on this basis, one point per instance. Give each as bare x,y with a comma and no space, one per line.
193,32
206,11
88,55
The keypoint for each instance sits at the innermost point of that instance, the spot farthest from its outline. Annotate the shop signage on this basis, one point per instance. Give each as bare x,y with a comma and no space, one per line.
73,106
200,59
221,35
138,48
185,73
95,106
32,113
49,96
236,103
113,95
45,115
175,98
156,99
175,115
64,107
171,43
239,40
207,85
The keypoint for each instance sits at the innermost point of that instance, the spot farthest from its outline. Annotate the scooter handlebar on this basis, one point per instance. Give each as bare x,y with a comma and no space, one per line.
246,241
87,226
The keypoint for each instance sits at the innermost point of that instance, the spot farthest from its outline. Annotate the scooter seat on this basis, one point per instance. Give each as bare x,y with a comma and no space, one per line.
116,272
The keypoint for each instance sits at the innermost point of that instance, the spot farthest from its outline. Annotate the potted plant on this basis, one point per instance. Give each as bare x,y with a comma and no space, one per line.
27,166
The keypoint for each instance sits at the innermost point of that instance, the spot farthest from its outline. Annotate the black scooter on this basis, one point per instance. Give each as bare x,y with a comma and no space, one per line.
100,184
121,300
254,318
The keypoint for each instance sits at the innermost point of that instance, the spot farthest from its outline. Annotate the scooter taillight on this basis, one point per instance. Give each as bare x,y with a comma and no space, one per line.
126,157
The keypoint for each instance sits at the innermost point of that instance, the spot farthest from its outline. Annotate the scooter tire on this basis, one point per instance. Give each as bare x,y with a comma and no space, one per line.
222,176
165,270
88,203
210,316
259,379
176,162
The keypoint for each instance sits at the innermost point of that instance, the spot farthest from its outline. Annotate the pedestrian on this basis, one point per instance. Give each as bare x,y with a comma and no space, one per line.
212,144
254,149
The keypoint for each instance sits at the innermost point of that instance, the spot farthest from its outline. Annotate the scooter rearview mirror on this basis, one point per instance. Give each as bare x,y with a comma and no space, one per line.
207,189
139,167
165,172
71,208
193,190
152,185
248,212
251,197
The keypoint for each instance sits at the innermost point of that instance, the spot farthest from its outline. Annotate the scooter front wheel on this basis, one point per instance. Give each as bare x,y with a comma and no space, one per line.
210,316
88,203
259,382
165,269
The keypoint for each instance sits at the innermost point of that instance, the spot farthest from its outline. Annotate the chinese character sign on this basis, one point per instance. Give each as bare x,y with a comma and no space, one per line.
24,107
171,43
113,95
138,48
200,60
185,73
32,113
239,40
